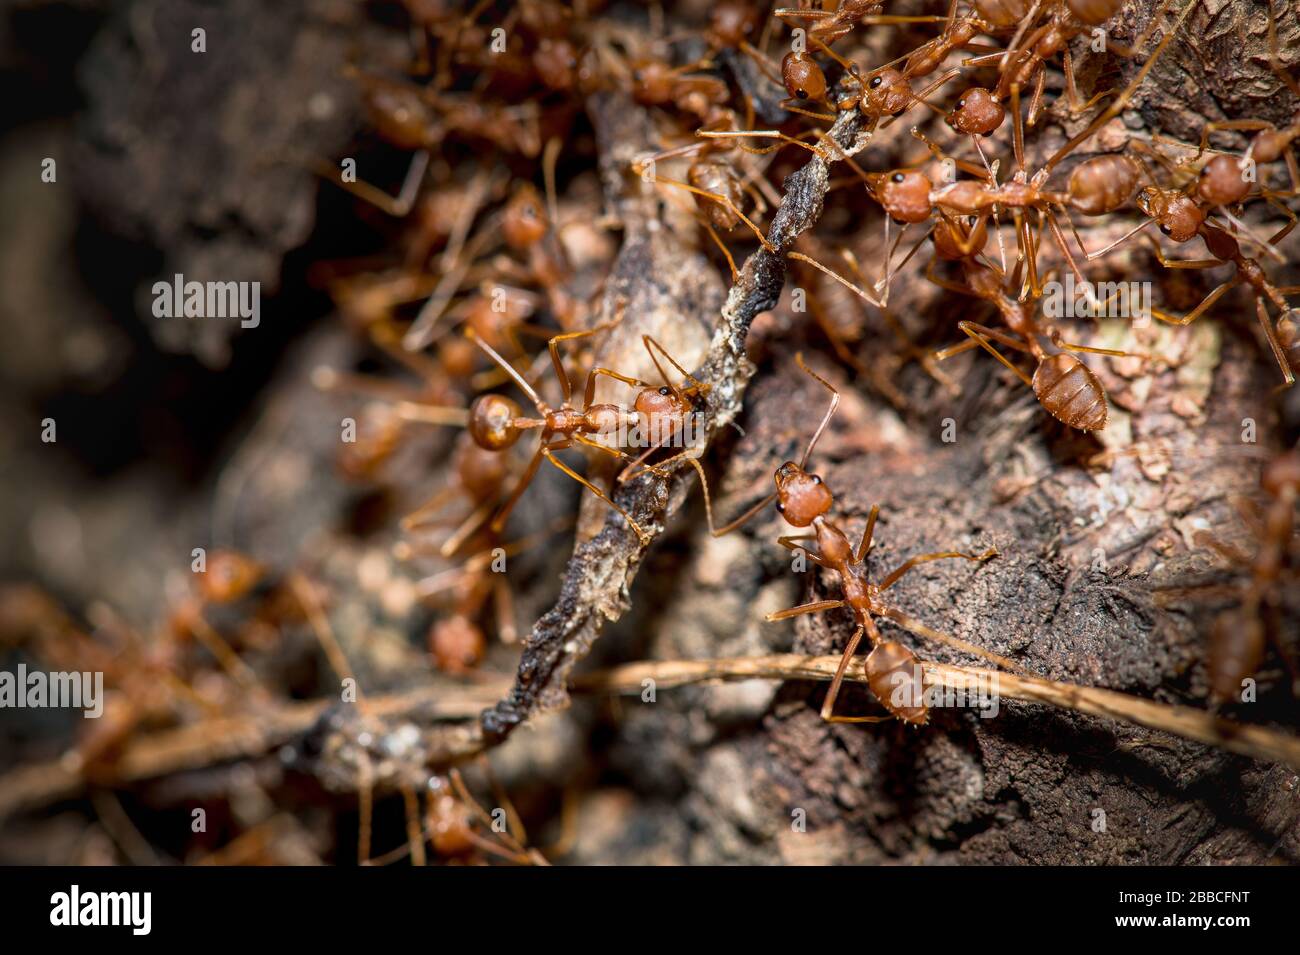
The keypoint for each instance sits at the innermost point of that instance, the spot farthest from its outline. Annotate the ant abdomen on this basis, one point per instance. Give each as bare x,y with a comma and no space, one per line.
894,676
1223,181
1003,13
1094,12
1102,184
802,77
492,422
1069,391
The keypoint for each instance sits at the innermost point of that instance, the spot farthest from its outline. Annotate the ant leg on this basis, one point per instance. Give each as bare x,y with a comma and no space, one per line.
414,830
921,630
861,293
553,344
981,335
1100,253
1271,335
1291,217
550,456
688,149
722,201
1201,309
398,206
430,506
1121,101
911,562
828,705
815,607
722,247
791,542
1055,228
921,96
762,134
941,156
365,805
589,394
505,610
1036,101
466,529
1229,125
499,520
864,548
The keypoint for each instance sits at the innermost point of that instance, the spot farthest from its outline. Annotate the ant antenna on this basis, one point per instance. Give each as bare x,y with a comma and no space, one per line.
509,369
830,412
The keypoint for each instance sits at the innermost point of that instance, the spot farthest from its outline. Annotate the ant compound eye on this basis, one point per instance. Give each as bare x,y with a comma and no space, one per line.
876,81
801,93
1165,229
780,507
961,104
817,479
665,391
897,177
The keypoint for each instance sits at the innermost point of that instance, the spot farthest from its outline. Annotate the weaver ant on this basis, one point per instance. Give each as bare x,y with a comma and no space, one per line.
1239,637
893,671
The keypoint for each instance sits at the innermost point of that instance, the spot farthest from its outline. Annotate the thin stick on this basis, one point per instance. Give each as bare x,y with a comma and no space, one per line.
1253,741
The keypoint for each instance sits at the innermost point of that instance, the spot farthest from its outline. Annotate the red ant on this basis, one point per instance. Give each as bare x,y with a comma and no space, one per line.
1239,637
1181,218
893,671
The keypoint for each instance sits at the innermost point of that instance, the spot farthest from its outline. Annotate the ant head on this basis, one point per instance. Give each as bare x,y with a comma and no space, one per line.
524,223
1178,215
802,77
1282,474
978,113
662,407
456,644
492,422
230,575
653,82
885,92
556,62
801,497
731,23
1222,182
398,112
904,194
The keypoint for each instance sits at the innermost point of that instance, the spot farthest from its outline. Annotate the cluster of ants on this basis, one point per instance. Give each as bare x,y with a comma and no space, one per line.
505,272
492,256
